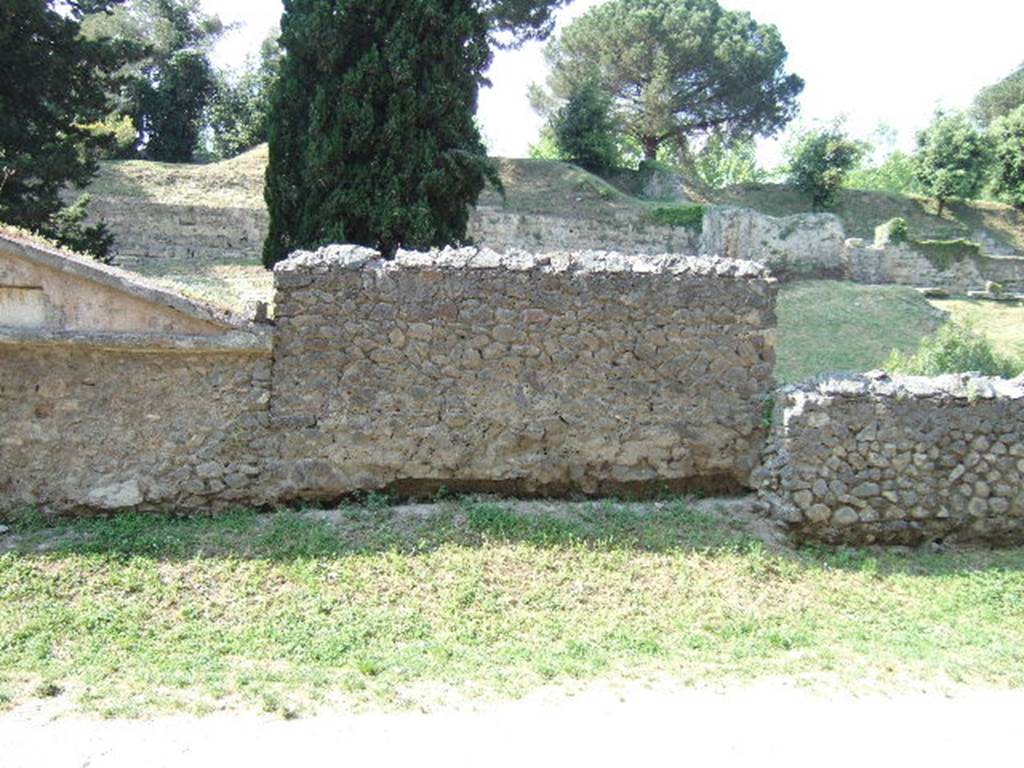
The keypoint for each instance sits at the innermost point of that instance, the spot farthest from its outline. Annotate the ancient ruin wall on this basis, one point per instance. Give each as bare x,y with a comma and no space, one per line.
864,459
522,373
102,425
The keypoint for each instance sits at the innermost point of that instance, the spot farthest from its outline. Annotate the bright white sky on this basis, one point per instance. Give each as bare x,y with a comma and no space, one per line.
874,61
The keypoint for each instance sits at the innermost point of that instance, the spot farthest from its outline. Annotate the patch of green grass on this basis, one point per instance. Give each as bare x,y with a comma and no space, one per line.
291,612
687,216
828,326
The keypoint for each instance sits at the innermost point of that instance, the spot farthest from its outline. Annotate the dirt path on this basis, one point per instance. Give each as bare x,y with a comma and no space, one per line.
769,724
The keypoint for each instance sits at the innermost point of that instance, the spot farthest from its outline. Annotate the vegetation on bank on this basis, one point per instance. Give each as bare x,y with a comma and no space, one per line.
410,608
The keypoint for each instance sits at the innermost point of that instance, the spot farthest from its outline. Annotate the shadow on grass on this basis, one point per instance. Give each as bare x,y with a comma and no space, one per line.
676,526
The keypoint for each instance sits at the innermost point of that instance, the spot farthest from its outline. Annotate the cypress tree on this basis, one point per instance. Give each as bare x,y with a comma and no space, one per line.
372,134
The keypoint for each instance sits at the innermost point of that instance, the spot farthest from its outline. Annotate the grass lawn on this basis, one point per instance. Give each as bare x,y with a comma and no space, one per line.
377,607
824,326
225,282
1002,323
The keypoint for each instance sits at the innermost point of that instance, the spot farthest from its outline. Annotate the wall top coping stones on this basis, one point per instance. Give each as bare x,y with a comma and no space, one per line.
879,384
118,279
337,258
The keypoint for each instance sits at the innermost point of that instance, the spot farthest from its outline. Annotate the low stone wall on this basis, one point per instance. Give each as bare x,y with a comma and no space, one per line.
901,264
145,230
865,459
527,374
101,423
503,230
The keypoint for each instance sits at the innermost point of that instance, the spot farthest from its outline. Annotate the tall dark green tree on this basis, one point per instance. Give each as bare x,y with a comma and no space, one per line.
52,82
677,70
372,135
584,130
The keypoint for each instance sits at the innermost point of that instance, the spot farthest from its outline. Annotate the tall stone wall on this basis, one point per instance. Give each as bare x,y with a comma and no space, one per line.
865,459
95,424
522,373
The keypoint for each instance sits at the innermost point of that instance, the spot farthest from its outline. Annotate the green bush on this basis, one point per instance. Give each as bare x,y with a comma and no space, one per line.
953,349
819,161
687,216
894,231
1008,137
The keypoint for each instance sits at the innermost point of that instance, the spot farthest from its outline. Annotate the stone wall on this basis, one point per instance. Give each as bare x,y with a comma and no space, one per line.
146,230
96,424
801,246
865,459
901,264
528,374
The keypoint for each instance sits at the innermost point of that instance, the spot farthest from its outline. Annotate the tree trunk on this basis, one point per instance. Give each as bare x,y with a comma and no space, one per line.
942,205
650,145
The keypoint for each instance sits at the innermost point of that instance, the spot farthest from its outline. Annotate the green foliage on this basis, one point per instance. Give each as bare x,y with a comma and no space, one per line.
677,69
584,131
52,82
953,348
952,158
687,216
894,175
819,160
169,80
722,163
894,231
545,148
116,135
237,114
1000,99
174,107
943,254
376,144
1008,138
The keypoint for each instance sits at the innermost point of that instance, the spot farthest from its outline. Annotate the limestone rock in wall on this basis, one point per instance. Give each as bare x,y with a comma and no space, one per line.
804,245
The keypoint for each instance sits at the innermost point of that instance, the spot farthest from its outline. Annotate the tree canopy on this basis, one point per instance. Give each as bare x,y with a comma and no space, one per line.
169,80
1000,99
952,158
678,69
52,82
372,131
1008,137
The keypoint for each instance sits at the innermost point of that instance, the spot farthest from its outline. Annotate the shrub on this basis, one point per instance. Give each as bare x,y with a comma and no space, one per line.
953,348
894,231
688,216
819,161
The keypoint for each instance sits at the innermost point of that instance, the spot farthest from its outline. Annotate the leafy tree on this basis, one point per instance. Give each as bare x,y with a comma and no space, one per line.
1008,138
584,130
52,82
678,69
1000,99
722,164
952,158
372,134
170,79
819,160
238,112
894,175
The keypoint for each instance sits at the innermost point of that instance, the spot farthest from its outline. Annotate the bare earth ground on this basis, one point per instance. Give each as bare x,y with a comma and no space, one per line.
656,724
